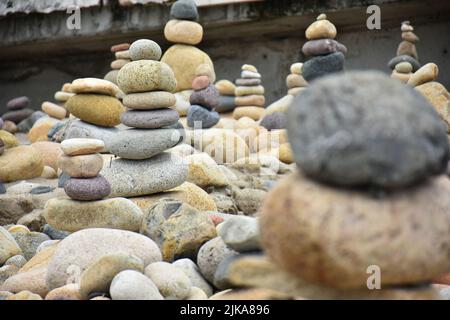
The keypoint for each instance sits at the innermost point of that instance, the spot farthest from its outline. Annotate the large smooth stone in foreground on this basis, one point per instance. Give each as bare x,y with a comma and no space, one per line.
130,178
331,236
20,163
71,215
80,249
139,144
363,128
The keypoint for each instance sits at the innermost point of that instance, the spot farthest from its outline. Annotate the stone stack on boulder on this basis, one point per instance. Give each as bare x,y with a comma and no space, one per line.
204,100
249,94
183,57
95,102
407,60
144,167
18,110
226,100
122,54
326,54
370,164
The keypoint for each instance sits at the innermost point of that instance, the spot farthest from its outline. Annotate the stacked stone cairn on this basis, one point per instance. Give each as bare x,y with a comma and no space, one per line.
326,54
204,100
122,55
407,60
183,57
18,110
249,94
369,166
148,85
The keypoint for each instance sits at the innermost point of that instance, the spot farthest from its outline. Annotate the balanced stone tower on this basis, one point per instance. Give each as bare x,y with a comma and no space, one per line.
122,55
183,57
249,94
370,164
144,167
326,54
204,100
407,60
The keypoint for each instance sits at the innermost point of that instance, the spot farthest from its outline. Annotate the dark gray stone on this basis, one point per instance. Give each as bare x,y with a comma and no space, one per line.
29,242
53,233
226,104
87,189
2,188
41,189
202,118
62,179
184,10
1,123
26,124
404,58
322,46
274,121
152,119
18,103
17,115
365,129
322,65
207,98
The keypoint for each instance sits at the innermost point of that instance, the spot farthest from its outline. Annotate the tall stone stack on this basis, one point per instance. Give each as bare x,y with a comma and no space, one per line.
295,81
122,55
183,57
249,94
18,110
407,60
204,100
326,55
144,168
369,166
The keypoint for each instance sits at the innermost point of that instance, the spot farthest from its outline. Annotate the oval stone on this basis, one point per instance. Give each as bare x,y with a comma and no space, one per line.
97,109
20,163
143,144
146,75
145,49
17,115
82,166
150,119
53,110
18,103
94,85
87,189
183,31
199,117
80,146
149,100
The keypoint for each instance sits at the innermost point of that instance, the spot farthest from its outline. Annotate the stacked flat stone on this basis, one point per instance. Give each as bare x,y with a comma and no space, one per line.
326,54
64,94
204,100
407,60
18,110
295,81
350,140
82,162
95,101
249,94
122,54
183,57
226,100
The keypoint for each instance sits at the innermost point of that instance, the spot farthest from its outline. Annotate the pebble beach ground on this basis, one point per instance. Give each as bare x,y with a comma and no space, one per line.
161,181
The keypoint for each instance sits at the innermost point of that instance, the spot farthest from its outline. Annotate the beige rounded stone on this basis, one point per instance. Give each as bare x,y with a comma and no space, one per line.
49,173
94,85
183,31
71,215
20,163
9,126
119,63
226,147
321,29
53,110
146,75
407,48
404,67
295,81
8,246
403,77
63,96
249,67
49,151
149,100
99,275
252,112
8,139
125,54
427,73
204,171
66,87
225,87
251,90
184,61
24,295
285,153
39,131
83,166
251,100
332,236
296,68
112,76
81,146
70,291
96,109
439,98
